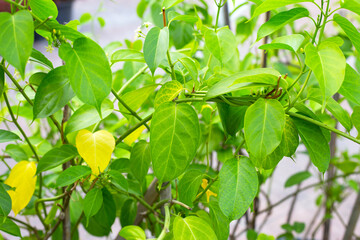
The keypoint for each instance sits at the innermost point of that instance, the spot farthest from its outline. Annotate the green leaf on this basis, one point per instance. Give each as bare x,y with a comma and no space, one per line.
92,202
238,187
269,5
280,20
352,5
155,47
182,33
192,228
263,236
16,38
128,213
270,161
349,29
170,3
40,58
219,221
189,185
5,202
328,64
84,18
52,213
334,107
168,92
136,98
44,8
7,136
119,180
350,88
355,117
264,126
36,78
71,175
306,111
299,227
101,21
289,42
127,55
221,43
87,115
100,224
174,139
132,232
8,226
53,93
89,71
259,77
185,18
190,66
2,81
140,159
314,142
290,138
232,117
16,152
297,178
55,157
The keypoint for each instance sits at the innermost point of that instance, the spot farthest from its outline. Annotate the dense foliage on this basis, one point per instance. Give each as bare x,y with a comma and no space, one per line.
174,132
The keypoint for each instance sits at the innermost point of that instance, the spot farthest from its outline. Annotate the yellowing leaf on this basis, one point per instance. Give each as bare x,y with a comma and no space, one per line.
22,178
95,148
134,135
208,192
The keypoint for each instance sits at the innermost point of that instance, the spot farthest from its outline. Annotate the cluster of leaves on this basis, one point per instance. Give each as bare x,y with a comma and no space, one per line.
182,93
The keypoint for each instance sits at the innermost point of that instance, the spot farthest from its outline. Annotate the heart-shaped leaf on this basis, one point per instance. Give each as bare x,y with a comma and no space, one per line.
16,38
96,148
22,178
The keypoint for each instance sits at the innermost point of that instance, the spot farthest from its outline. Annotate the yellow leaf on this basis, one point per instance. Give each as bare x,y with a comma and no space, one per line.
22,178
95,148
134,135
208,192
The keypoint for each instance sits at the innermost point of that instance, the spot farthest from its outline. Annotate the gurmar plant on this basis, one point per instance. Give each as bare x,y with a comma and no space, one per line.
175,133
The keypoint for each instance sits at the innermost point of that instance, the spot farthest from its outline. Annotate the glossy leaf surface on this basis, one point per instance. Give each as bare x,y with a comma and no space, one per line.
155,46
16,38
95,148
22,178
89,71
53,93
264,126
192,228
174,139
238,187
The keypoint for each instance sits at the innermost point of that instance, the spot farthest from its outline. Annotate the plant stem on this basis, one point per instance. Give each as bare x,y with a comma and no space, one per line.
303,189
167,222
181,204
173,76
139,199
320,124
19,127
355,213
217,15
128,132
128,108
34,230
141,71
189,100
300,92
324,21
21,90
